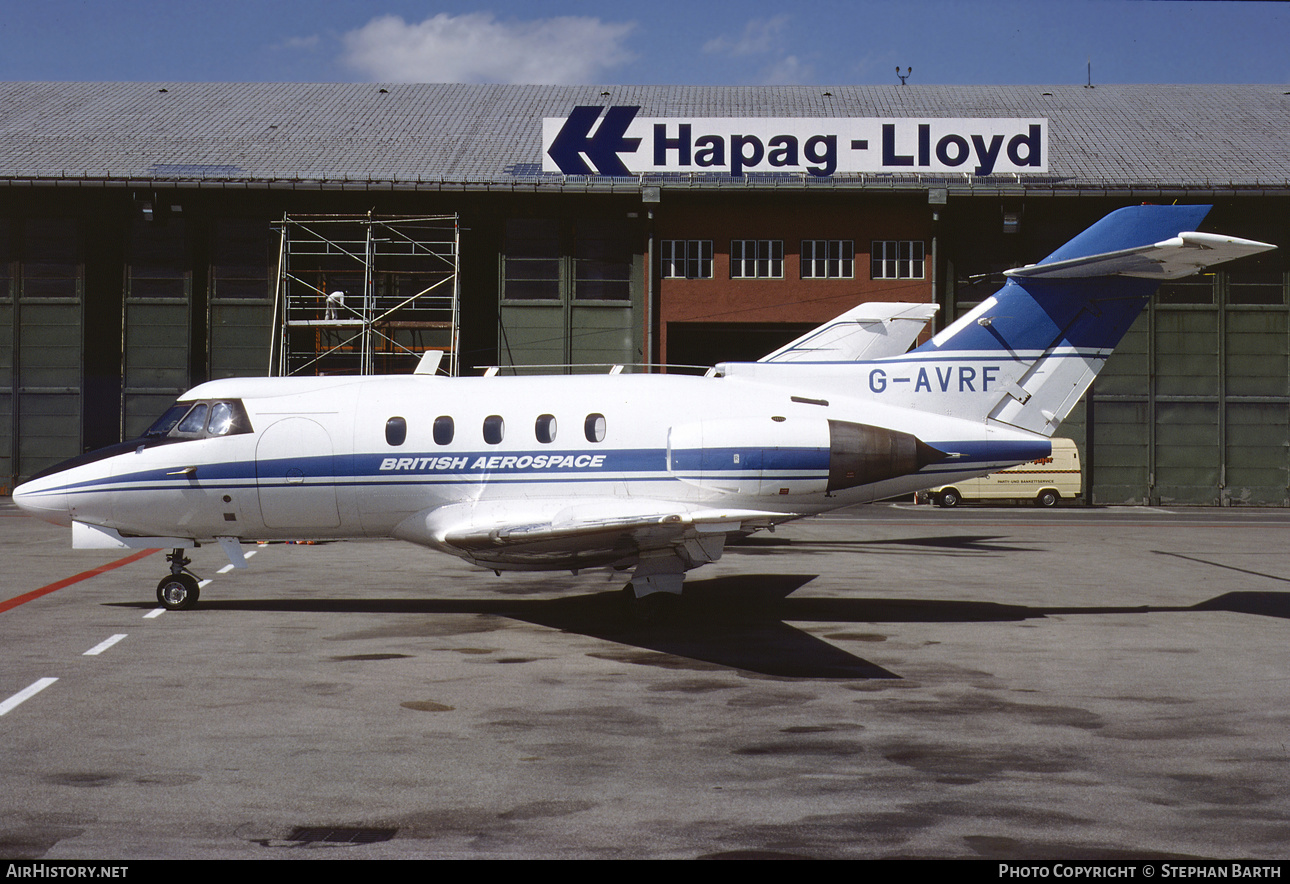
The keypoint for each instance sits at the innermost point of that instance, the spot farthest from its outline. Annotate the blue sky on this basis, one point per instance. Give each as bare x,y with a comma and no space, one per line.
750,42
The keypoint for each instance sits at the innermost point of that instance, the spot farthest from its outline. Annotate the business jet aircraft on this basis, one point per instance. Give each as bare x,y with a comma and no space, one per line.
650,472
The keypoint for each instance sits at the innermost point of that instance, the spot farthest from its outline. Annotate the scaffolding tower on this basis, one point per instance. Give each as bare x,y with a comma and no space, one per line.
366,294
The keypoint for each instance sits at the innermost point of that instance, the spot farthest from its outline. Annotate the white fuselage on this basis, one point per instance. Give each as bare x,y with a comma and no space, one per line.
318,462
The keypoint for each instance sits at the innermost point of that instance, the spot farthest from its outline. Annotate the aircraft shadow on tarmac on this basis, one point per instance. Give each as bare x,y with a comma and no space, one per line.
742,621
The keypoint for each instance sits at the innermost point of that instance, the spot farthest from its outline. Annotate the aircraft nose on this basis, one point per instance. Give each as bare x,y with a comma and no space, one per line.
37,498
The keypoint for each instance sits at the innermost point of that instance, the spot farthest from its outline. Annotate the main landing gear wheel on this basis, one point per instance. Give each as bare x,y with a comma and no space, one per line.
178,592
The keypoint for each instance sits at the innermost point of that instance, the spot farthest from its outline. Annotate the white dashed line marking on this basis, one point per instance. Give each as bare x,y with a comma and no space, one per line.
155,612
25,694
104,645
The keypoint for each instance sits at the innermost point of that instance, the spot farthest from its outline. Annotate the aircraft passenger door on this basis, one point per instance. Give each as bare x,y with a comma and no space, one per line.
295,472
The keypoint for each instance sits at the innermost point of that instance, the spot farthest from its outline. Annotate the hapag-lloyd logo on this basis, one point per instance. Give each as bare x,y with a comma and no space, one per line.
622,144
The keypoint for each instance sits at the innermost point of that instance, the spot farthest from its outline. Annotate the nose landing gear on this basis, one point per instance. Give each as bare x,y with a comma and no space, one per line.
179,591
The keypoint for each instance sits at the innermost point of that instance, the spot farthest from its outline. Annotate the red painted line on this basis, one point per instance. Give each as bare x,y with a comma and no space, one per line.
84,575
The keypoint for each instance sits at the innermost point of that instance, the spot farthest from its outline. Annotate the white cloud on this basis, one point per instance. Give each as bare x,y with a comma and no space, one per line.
759,36
763,42
306,43
476,48
787,70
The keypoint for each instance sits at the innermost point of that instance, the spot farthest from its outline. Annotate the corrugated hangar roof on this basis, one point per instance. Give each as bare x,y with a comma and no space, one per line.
455,136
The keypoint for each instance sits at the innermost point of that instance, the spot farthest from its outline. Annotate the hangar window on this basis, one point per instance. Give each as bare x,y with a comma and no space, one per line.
6,256
242,253
685,259
603,252
443,430
757,259
531,268
494,429
594,428
396,431
1197,289
896,259
828,259
51,259
158,260
1257,285
545,429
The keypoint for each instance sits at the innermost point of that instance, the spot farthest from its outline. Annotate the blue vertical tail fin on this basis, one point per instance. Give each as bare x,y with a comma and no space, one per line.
1054,323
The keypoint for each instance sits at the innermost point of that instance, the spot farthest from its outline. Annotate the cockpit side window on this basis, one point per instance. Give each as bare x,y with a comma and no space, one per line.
200,420
194,422
167,421
221,419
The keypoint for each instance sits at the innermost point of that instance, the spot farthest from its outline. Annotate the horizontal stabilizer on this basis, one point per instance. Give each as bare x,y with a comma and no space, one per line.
870,331
1187,253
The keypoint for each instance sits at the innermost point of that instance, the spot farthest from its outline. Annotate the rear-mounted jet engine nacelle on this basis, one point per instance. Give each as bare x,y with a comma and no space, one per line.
791,456
862,455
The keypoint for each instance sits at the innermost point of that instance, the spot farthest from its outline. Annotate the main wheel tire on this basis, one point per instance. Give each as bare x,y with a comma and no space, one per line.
178,592
949,498
1047,497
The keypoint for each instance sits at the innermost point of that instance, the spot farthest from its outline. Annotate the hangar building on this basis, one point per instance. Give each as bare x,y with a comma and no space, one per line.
155,235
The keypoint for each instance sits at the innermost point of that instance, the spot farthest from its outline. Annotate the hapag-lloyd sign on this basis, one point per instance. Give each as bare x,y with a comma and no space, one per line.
624,144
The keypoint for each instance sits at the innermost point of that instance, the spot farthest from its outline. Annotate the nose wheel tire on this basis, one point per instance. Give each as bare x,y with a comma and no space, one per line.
178,592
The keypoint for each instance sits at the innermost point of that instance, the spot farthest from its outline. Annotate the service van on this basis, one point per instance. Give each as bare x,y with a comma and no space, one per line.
1045,481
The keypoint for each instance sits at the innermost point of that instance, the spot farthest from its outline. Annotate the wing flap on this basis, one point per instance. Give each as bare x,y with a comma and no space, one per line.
581,526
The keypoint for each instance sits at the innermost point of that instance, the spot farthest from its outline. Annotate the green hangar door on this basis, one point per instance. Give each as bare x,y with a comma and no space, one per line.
1193,407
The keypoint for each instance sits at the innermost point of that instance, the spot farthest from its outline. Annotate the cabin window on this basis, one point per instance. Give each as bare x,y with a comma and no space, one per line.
494,429
595,428
545,429
396,431
443,430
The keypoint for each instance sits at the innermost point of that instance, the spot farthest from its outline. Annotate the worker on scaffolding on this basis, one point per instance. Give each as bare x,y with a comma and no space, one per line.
335,304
